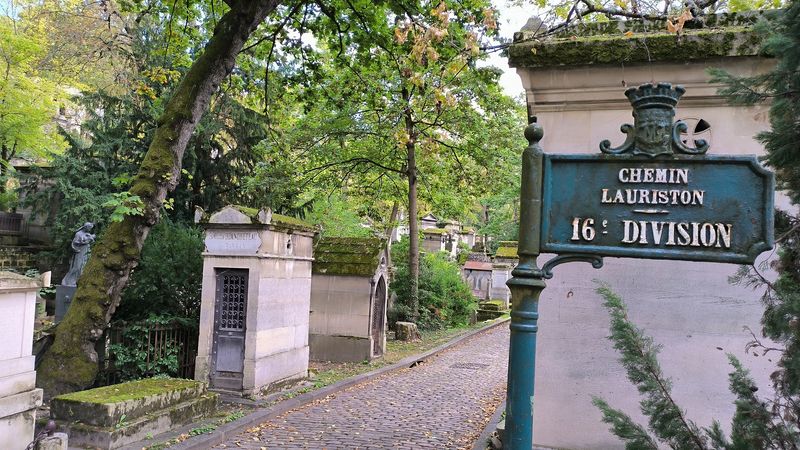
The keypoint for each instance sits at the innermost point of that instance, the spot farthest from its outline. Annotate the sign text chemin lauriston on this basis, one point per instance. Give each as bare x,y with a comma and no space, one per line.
672,208
658,232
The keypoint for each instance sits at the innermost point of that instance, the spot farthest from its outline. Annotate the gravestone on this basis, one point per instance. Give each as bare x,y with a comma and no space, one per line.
254,315
19,397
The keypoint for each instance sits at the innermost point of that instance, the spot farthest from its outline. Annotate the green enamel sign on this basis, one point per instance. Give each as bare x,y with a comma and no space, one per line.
655,196
714,208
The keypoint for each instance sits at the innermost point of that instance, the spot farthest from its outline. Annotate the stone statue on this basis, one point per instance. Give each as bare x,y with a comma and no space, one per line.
80,249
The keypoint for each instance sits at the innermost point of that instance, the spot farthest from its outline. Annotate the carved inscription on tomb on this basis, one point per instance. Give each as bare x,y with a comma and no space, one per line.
234,242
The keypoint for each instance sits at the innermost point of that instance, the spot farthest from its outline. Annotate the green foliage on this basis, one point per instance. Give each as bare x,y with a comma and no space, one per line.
168,279
444,298
755,422
8,200
28,99
337,216
124,204
463,253
638,357
135,358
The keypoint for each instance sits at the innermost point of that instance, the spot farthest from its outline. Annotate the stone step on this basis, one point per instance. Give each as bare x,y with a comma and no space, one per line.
129,431
109,405
486,314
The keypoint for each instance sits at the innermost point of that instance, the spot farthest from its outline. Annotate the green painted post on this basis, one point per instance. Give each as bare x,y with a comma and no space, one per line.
526,285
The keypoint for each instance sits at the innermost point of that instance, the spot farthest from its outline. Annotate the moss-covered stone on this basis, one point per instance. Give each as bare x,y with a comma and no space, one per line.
129,429
132,390
507,250
347,256
292,222
434,231
632,41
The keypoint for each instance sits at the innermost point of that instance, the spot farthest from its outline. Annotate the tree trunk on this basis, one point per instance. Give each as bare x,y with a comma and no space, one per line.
71,362
390,230
413,231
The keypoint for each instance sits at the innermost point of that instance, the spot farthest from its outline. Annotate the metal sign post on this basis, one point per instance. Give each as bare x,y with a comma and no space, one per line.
653,197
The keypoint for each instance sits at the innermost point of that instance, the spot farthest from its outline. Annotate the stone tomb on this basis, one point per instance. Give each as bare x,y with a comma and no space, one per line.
255,300
18,394
348,299
434,240
504,261
113,416
478,275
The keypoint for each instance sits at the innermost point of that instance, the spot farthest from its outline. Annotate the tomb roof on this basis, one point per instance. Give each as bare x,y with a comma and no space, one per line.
631,41
348,256
435,231
237,214
507,250
478,265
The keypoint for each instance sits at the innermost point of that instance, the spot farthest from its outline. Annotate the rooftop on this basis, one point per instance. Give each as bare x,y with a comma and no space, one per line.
347,256
507,250
630,41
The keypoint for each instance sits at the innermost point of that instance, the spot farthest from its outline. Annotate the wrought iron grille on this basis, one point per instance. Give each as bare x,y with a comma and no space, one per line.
234,302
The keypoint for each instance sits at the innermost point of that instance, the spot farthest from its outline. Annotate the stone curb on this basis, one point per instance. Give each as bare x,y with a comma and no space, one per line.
491,427
482,441
228,430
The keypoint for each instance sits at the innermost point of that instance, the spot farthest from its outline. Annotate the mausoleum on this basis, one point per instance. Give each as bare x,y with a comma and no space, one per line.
478,276
435,239
255,300
504,261
348,299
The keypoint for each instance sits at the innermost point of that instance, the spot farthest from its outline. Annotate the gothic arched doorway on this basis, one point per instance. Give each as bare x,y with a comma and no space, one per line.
378,317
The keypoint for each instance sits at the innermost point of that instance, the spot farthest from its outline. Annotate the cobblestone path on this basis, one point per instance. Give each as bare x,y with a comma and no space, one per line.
442,403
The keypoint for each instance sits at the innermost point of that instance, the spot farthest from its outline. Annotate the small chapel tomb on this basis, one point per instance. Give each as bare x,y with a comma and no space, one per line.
255,300
348,299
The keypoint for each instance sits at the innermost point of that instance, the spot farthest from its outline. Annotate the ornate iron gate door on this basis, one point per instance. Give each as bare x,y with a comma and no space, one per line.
378,317
230,314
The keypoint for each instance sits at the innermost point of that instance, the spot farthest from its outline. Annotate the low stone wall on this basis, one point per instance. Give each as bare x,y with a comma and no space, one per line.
113,416
17,258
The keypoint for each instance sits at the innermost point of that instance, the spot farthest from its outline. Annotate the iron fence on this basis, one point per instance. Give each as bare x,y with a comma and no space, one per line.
11,223
152,343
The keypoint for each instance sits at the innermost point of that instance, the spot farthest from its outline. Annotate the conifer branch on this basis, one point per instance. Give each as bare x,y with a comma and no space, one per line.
638,357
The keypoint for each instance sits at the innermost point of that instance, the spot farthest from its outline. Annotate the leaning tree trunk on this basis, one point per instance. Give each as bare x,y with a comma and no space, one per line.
71,362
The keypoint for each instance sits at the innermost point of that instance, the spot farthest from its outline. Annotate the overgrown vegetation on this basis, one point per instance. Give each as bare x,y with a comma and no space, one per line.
139,355
168,280
444,298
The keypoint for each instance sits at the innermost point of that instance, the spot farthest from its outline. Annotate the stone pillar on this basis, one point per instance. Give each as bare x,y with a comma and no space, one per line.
18,394
276,252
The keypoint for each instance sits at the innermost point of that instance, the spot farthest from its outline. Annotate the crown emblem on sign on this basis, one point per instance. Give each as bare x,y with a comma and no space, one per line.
654,131
661,95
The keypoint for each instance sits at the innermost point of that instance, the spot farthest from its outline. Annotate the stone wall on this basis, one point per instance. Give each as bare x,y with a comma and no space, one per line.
17,258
